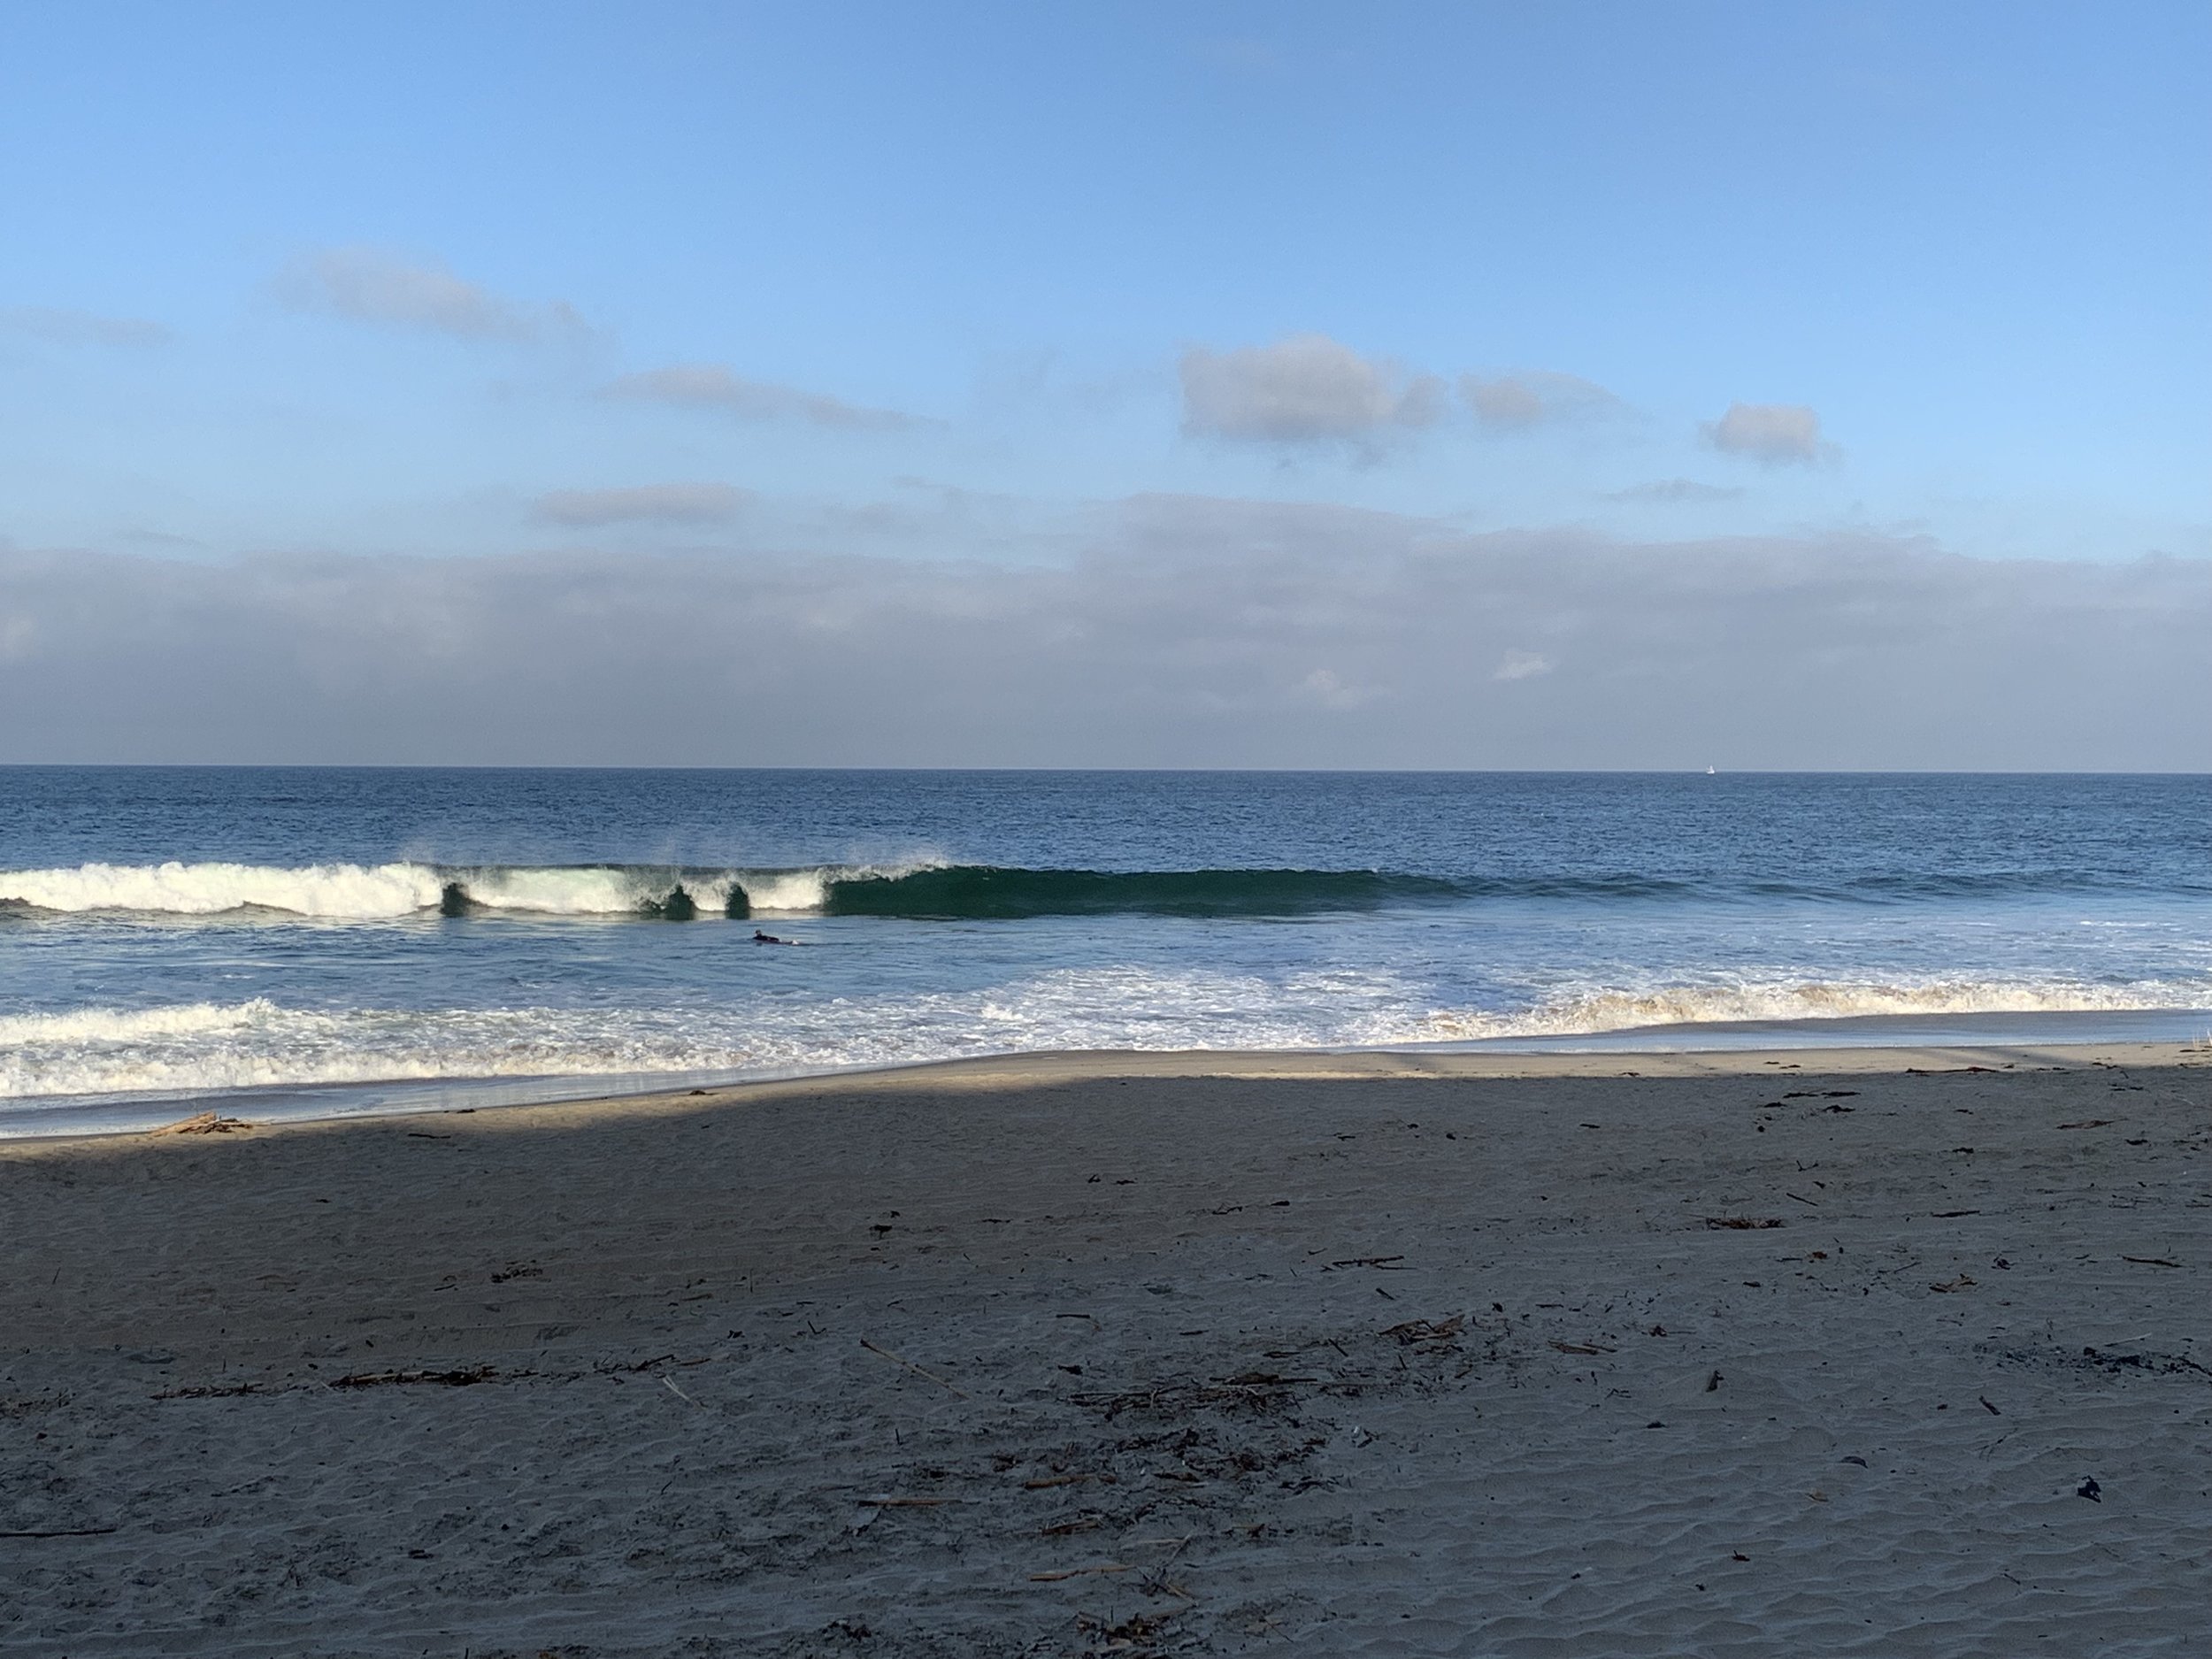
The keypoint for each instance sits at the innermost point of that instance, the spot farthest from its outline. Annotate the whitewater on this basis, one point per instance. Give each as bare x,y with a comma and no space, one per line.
297,940
345,892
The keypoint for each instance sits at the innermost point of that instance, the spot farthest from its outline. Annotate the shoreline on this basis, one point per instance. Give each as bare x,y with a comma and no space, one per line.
1170,1354
1013,1070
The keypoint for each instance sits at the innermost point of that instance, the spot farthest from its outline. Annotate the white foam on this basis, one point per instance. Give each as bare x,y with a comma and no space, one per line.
787,892
582,891
1784,1001
371,892
348,892
98,1026
205,1045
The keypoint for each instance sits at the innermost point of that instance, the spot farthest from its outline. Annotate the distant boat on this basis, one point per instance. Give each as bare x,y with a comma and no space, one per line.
1709,771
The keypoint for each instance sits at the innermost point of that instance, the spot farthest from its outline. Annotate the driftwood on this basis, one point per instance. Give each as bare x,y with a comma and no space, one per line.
1428,1330
918,1371
202,1124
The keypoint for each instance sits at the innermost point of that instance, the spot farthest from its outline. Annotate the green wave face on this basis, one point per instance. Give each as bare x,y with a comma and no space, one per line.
985,892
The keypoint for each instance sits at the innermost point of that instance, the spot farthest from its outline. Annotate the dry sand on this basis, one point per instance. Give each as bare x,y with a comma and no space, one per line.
1137,1355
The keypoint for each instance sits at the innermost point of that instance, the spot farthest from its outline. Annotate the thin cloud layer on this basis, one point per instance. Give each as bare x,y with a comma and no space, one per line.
1516,402
713,386
67,327
1671,491
642,504
1190,631
1305,390
372,286
1773,435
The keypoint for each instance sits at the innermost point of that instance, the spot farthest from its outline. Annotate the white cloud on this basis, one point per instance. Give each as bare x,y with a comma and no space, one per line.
372,286
67,327
1184,633
1529,399
643,503
1774,435
1521,665
712,385
1327,687
1306,389
1670,491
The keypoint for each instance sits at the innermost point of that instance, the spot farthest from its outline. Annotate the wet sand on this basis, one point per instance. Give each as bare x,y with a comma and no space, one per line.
1855,1352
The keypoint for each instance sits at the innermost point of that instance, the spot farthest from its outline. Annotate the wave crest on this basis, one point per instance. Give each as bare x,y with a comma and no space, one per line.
918,890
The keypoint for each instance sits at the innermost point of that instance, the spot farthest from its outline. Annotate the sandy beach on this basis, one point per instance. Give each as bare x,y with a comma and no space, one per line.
1858,1352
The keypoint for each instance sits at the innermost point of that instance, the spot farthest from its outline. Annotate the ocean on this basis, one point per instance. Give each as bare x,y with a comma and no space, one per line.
274,941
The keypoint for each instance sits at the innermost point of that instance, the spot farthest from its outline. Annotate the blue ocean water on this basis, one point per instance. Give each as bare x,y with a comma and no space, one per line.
340,940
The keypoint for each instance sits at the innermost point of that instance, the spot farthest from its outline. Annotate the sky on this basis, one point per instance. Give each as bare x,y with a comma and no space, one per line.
1577,385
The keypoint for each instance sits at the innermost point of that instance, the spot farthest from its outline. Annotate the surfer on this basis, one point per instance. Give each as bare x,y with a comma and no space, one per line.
760,938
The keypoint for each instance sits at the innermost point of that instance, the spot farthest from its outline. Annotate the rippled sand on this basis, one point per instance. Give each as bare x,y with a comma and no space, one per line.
1137,1355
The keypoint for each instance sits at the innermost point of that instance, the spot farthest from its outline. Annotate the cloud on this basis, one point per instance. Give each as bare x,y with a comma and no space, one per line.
1521,665
1181,632
1773,435
1669,490
1304,390
643,503
1520,400
371,286
75,328
712,385
1327,687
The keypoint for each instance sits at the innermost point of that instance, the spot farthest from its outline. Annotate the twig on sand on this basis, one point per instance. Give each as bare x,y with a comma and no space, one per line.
1740,1223
1428,1330
64,1532
918,1371
2150,1261
212,1391
1578,1347
679,1393
1155,1582
460,1379
1077,1572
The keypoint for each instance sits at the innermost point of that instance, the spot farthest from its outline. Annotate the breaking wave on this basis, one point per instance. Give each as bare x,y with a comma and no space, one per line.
365,893
921,891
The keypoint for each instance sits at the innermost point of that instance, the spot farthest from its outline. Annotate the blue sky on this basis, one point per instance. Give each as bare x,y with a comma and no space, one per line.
961,282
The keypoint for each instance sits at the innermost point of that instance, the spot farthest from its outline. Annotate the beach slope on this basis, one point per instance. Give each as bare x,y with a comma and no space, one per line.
1855,1352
